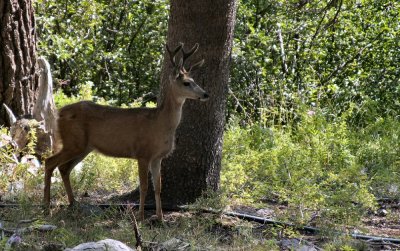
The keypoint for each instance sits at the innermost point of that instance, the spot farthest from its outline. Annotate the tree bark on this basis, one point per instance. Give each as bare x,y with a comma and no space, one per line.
18,77
195,164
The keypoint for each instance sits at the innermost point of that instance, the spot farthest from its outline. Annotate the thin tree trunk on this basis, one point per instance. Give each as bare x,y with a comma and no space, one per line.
18,79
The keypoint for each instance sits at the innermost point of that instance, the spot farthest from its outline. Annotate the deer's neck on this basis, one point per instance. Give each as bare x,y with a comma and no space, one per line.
170,110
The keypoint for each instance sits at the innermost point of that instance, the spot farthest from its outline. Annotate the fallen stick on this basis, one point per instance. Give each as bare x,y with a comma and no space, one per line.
138,236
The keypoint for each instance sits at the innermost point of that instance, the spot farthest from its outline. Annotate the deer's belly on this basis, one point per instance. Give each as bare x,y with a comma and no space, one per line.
136,148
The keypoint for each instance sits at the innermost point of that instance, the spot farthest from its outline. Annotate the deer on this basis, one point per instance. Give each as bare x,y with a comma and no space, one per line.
144,134
42,118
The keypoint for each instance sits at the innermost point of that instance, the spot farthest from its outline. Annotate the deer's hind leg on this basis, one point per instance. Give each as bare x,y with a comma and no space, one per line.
155,169
51,164
143,174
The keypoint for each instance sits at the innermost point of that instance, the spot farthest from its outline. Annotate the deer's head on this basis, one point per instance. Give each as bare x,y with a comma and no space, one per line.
182,83
22,130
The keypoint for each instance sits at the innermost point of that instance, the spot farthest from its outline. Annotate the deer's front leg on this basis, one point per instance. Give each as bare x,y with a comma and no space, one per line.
156,174
50,164
49,169
143,172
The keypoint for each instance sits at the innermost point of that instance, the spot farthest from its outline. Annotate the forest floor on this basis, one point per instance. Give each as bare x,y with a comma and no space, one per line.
191,229
381,226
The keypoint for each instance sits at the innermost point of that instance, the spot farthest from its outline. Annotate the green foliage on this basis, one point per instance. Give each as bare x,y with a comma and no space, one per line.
117,45
105,175
16,178
316,165
335,54
378,151
85,93
346,243
337,58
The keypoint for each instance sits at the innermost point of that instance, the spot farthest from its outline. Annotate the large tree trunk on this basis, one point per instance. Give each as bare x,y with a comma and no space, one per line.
195,164
18,79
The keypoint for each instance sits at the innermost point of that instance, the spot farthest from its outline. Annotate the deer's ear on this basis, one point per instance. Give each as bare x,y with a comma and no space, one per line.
11,116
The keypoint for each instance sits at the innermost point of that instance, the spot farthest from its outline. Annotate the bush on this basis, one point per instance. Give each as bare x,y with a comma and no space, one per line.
18,176
319,164
378,153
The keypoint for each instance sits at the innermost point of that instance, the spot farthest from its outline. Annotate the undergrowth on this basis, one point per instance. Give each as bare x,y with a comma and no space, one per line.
318,166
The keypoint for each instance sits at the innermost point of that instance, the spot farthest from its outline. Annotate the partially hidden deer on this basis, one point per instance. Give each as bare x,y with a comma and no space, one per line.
145,134
42,118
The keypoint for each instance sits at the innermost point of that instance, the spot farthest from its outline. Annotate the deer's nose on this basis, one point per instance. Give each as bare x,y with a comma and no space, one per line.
205,97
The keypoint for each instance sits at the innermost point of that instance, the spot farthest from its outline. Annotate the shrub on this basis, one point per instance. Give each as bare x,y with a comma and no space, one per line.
378,153
315,165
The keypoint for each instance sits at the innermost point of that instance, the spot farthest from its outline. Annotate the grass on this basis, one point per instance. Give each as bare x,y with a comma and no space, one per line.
202,231
194,230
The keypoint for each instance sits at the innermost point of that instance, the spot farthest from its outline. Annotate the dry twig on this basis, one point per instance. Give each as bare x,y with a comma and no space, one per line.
138,236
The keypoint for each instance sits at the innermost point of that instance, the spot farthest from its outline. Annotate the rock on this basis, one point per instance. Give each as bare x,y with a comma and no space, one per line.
103,245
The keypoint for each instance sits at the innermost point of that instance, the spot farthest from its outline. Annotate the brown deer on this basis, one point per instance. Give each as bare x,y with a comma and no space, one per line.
145,134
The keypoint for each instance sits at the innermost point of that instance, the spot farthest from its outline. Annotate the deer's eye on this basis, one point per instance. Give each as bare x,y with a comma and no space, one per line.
186,83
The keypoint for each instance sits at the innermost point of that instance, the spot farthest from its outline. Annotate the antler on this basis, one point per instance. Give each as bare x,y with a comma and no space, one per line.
172,54
186,55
